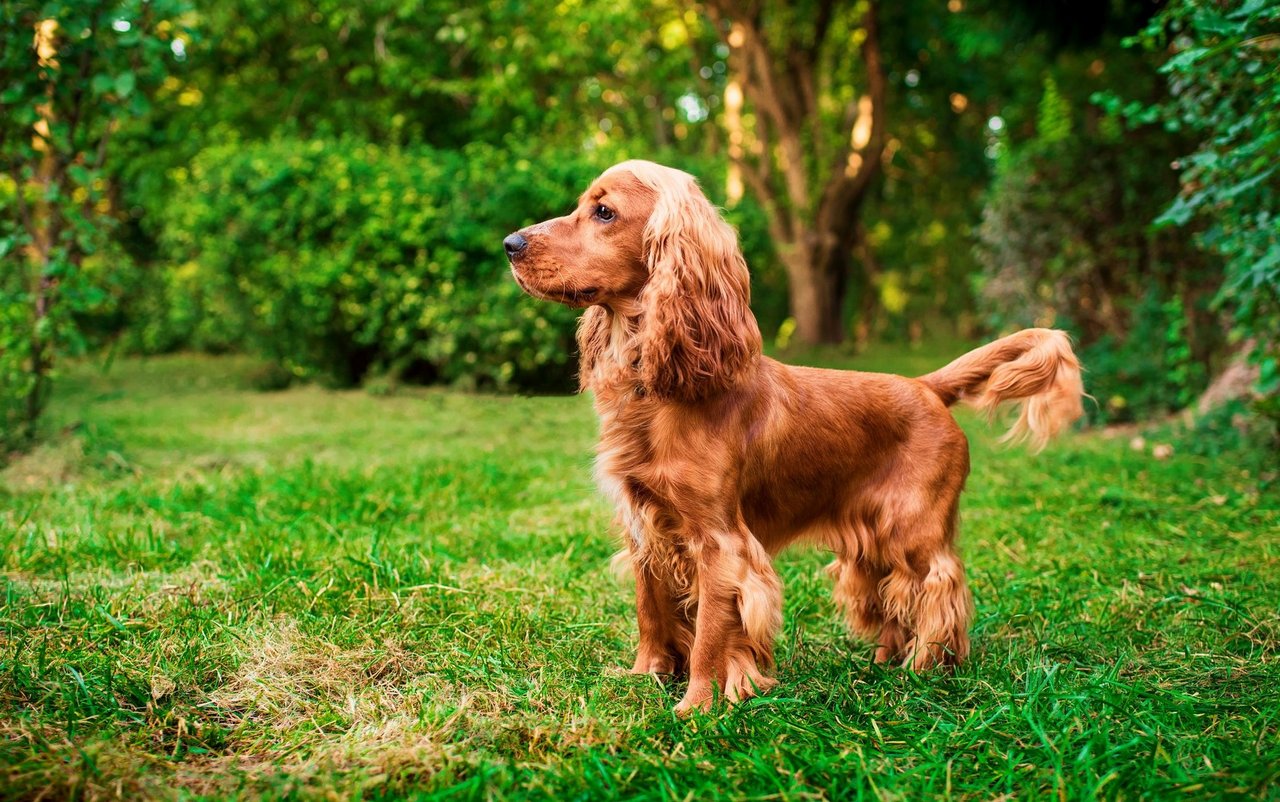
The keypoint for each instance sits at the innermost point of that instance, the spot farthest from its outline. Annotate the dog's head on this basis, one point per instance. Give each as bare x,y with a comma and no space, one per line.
645,243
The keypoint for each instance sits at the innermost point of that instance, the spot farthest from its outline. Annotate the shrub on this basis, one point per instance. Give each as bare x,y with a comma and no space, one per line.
1066,240
1223,84
335,258
1150,370
70,76
16,377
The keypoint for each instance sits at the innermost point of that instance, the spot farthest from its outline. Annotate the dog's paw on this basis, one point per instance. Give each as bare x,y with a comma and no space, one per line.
699,700
654,664
703,698
751,686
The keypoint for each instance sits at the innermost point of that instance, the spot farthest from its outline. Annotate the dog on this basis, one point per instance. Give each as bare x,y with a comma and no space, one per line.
716,456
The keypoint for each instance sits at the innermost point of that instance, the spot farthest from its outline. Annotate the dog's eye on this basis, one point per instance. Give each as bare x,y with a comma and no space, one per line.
604,213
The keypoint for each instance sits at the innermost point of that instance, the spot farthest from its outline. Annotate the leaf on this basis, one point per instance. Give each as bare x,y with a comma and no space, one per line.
125,84
1245,185
1211,22
1180,211
1250,8
80,174
1184,59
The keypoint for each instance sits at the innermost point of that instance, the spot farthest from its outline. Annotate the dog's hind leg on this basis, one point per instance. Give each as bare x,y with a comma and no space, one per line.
926,588
857,592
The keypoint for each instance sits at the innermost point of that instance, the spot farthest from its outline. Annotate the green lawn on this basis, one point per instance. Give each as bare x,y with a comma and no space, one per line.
214,592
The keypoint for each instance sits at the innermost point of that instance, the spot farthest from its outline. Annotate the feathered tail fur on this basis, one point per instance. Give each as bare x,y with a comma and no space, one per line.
1035,367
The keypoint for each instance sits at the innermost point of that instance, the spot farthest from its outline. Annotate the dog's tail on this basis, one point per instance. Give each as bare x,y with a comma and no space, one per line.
1035,367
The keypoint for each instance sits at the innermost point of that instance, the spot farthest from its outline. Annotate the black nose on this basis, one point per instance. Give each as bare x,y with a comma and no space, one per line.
514,244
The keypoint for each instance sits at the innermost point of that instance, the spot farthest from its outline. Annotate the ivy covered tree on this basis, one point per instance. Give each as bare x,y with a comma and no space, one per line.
1225,88
70,73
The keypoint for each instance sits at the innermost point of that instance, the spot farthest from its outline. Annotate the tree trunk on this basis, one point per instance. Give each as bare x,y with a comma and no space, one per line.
867,326
44,225
811,185
818,279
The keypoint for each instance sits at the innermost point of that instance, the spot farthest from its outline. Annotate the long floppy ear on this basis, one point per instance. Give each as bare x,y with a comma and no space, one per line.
697,333
593,336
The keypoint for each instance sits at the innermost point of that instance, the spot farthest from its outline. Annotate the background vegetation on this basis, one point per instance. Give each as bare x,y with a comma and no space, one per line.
320,184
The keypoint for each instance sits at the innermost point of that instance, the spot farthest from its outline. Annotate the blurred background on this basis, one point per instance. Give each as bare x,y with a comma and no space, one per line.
324,185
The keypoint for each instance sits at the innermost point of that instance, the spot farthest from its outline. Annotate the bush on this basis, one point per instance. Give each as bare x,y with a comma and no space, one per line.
1066,240
70,76
16,376
1149,371
336,258
1222,80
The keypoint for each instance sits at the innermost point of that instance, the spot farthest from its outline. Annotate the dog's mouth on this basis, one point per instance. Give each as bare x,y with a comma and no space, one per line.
569,297
583,297
586,295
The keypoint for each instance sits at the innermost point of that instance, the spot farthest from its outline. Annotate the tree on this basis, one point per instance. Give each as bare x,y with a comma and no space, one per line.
69,73
809,144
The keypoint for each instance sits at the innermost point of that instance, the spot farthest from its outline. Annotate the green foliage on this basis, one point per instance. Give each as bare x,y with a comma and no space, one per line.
16,377
930,197
1225,88
70,74
1066,240
434,72
1231,431
417,72
1149,370
412,74
17,380
335,257
1053,124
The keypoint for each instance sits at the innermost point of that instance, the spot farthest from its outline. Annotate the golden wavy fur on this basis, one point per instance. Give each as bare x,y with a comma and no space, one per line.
717,457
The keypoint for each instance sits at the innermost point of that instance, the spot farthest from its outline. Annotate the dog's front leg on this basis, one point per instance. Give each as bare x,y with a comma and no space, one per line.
739,613
666,633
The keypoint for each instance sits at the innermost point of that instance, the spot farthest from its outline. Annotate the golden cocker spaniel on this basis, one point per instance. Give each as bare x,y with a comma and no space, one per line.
717,457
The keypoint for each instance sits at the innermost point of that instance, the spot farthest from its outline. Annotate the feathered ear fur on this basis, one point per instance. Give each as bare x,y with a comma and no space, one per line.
697,333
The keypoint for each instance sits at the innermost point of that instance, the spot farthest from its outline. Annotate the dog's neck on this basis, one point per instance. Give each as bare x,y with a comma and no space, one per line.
616,372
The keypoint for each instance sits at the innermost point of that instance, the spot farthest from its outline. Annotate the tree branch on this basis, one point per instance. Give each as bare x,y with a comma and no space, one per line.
85,70
822,24
780,227
844,193
778,98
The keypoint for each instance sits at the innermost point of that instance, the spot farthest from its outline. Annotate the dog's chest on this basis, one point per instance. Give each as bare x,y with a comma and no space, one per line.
624,472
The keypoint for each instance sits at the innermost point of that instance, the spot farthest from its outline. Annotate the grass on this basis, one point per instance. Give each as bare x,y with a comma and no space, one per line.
211,592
